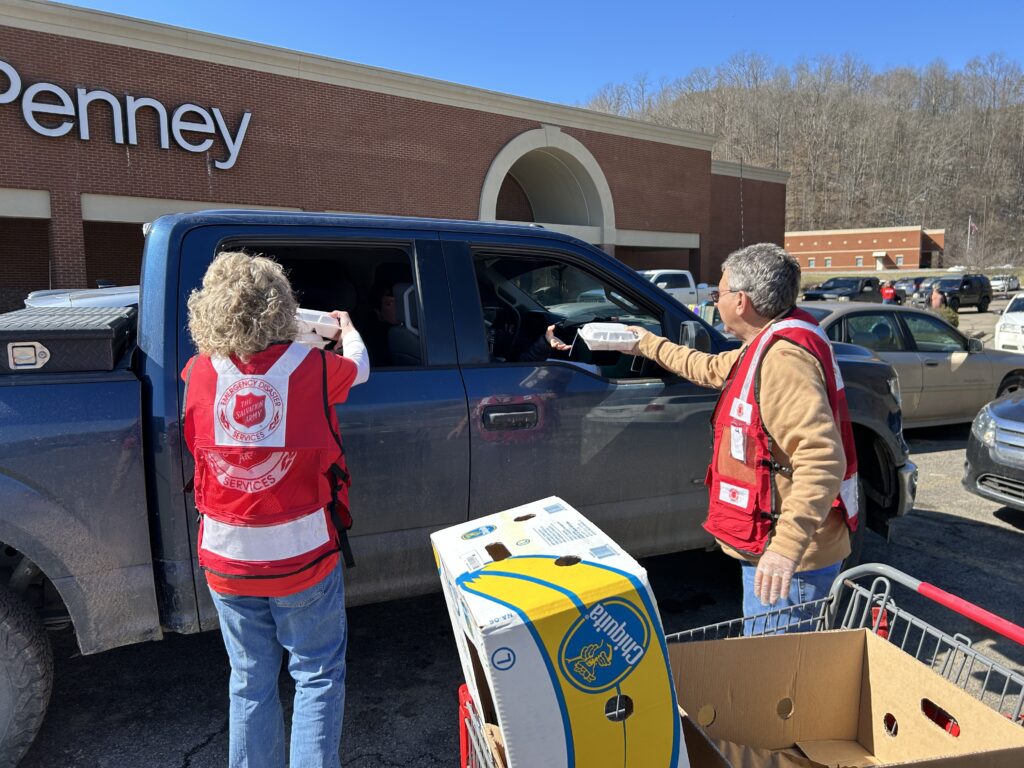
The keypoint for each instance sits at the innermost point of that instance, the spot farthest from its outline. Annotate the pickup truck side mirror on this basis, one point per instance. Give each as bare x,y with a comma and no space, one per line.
695,336
975,345
867,289
663,284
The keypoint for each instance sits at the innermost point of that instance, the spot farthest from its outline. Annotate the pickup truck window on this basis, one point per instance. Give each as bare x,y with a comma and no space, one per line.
675,281
522,295
375,285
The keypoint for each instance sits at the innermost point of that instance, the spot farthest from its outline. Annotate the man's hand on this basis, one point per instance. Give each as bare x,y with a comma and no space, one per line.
773,576
344,323
555,342
639,333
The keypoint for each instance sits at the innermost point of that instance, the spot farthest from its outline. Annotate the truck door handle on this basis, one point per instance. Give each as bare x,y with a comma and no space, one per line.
932,363
519,416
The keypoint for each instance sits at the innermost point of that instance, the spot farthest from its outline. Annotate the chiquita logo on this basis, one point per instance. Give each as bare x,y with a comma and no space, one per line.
604,645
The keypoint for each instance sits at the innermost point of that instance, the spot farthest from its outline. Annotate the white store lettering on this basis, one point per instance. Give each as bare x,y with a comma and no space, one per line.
50,111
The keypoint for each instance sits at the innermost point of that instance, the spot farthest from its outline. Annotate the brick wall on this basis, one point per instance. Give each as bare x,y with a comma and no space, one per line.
844,247
513,204
24,260
113,252
310,145
762,221
658,258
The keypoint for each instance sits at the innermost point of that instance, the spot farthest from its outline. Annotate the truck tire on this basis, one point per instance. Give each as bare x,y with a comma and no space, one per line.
983,304
954,304
26,677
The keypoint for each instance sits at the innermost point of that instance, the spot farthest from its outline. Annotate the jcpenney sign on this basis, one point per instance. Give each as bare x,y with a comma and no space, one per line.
192,127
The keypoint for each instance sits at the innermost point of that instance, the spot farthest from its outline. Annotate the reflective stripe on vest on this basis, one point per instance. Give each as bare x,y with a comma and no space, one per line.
266,543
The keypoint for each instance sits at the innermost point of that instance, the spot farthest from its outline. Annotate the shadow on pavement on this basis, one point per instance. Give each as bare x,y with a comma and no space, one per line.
933,439
1010,516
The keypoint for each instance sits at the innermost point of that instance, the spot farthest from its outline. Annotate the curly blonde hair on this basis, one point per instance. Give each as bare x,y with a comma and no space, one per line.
246,303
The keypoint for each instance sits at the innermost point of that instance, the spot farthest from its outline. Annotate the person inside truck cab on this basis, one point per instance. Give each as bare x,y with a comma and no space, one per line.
783,476
271,488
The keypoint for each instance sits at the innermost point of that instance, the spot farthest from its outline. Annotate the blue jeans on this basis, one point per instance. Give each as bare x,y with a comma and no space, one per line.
806,586
310,626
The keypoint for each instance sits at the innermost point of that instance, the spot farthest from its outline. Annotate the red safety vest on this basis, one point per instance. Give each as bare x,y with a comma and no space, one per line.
741,477
270,483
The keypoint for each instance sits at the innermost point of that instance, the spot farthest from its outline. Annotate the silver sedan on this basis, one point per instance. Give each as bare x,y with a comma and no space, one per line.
945,377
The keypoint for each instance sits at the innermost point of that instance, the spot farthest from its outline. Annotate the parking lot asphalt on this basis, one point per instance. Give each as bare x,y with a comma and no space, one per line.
165,704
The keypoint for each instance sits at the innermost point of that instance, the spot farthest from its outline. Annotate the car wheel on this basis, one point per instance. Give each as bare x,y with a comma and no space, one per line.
1011,383
954,304
26,677
983,304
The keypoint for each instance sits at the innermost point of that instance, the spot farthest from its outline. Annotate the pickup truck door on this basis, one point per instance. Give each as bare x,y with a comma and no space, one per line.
626,443
408,457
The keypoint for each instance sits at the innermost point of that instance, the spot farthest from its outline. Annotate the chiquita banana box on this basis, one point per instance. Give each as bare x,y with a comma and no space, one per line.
560,640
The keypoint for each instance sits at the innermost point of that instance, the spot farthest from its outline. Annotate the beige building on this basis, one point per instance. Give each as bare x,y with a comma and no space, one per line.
868,249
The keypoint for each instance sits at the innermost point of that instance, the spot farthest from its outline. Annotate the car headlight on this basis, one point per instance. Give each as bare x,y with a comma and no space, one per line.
842,298
1009,328
894,390
984,427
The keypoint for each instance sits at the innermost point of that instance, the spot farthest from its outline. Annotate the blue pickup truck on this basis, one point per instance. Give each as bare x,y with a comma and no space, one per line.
458,420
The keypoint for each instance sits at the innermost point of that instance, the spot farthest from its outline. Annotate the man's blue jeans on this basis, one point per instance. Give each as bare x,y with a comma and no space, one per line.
310,626
806,586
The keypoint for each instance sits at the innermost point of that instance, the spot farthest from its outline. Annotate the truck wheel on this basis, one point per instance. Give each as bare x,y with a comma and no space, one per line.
954,304
26,677
1011,383
983,304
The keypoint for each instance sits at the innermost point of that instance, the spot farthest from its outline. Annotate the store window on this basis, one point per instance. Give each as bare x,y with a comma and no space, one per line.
828,261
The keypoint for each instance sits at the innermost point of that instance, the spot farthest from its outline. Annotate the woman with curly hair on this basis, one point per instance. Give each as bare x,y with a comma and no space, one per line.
271,488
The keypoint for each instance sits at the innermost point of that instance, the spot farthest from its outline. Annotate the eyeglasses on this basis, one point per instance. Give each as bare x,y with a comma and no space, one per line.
718,294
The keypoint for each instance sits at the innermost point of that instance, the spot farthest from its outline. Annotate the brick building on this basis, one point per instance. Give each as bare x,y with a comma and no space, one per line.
872,250
107,122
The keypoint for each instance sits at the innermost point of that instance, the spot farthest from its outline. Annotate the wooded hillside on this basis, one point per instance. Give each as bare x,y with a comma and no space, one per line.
865,148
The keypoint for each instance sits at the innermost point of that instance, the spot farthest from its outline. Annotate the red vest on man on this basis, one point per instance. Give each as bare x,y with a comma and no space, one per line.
263,448
741,477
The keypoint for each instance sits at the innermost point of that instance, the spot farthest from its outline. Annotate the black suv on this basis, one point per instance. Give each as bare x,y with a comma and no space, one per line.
966,291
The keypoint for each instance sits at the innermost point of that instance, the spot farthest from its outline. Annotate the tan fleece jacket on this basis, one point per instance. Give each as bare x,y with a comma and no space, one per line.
796,412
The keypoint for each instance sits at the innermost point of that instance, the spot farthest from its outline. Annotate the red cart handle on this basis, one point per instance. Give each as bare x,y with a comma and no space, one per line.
971,611
956,604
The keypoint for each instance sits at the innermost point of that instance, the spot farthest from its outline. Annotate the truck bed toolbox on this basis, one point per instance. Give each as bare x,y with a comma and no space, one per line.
64,339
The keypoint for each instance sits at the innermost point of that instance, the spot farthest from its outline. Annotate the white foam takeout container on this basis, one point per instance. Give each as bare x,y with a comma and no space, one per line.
607,337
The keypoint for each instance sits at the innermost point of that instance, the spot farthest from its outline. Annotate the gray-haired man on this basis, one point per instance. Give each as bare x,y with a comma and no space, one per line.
782,480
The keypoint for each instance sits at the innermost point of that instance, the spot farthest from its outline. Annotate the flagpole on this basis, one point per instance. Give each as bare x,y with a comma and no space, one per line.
969,222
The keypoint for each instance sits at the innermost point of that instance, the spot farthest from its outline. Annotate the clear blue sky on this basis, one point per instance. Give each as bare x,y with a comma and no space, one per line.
565,50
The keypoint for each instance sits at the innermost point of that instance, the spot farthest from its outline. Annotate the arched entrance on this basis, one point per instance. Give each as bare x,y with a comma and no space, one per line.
547,177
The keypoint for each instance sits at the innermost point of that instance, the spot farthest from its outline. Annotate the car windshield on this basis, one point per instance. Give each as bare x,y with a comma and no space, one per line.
927,283
1017,305
904,284
949,283
838,283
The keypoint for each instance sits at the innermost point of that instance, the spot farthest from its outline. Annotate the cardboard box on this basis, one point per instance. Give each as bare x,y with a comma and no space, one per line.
560,640
845,698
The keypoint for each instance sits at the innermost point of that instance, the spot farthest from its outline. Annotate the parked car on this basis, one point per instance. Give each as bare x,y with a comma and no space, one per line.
923,294
961,291
908,286
680,285
1010,327
945,377
846,289
116,296
1005,283
994,467
98,527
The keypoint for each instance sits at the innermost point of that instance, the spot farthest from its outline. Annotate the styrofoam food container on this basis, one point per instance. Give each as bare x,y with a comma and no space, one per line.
315,321
607,336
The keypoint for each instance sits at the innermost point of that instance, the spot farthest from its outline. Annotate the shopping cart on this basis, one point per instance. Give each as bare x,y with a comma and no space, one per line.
860,598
